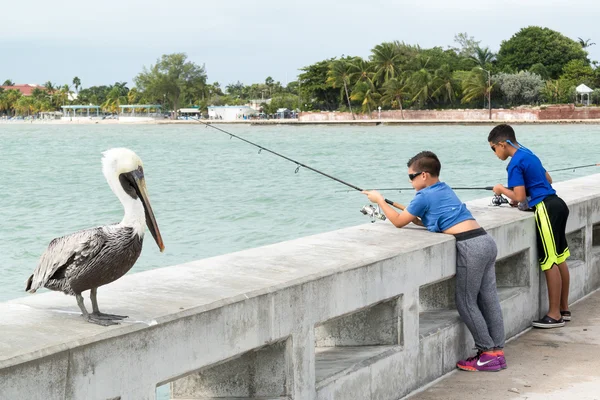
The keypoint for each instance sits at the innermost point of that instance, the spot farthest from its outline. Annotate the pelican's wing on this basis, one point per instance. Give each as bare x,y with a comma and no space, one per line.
66,251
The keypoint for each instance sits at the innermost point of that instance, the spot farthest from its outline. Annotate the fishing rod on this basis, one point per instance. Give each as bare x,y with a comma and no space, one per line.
574,168
373,212
411,188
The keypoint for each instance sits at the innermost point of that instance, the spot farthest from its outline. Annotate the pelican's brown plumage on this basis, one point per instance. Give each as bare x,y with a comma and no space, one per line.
88,259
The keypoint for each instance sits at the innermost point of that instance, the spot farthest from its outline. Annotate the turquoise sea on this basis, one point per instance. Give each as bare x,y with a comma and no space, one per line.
214,195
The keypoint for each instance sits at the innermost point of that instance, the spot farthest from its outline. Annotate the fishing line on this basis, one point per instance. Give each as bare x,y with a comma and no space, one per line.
489,187
411,188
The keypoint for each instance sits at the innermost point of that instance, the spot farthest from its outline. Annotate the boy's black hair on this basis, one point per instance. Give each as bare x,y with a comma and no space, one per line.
502,133
426,161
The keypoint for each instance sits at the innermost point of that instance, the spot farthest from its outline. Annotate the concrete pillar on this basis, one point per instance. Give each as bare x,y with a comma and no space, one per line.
303,361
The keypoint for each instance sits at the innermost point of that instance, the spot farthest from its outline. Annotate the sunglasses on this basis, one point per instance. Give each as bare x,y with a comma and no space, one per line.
413,176
493,147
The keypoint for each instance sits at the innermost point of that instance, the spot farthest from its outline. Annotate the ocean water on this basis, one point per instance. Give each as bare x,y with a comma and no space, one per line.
213,195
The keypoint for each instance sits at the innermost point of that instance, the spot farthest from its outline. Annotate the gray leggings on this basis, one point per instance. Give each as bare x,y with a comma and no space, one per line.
476,294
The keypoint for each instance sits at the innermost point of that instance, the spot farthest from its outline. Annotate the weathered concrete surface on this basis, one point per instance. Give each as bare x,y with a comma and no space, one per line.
556,364
310,293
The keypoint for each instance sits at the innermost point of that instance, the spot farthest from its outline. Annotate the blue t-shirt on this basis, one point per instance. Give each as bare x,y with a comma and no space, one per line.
525,169
438,207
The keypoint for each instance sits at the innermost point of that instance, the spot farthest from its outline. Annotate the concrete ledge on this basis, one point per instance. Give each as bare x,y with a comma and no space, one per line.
356,313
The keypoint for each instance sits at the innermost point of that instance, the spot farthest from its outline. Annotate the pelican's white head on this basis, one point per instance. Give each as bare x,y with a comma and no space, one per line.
124,172
118,161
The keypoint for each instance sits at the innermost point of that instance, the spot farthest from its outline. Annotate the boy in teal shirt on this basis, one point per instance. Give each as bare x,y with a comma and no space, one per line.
440,210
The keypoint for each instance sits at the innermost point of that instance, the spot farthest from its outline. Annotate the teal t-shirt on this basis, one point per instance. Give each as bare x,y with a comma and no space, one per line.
525,169
438,207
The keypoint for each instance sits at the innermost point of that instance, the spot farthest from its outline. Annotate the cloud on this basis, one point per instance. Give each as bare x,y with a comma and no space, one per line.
248,41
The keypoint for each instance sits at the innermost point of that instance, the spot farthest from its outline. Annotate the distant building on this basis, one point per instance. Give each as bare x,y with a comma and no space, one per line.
583,90
230,113
191,112
140,112
258,104
25,89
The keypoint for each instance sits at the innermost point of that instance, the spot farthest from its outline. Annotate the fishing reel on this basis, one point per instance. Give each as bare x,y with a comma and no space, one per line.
498,200
373,212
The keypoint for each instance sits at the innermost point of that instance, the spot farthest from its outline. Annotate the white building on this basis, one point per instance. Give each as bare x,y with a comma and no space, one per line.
258,104
186,113
230,113
583,90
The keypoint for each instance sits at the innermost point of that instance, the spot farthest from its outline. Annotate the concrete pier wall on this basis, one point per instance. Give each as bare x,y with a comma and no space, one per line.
358,313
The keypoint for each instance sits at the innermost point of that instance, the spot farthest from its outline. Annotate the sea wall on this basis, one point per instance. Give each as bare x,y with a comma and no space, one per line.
358,313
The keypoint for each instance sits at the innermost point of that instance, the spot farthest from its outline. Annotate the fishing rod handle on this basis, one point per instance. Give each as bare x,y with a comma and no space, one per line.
397,205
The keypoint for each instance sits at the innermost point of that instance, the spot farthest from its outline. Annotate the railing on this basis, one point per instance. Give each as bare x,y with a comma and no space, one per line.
363,312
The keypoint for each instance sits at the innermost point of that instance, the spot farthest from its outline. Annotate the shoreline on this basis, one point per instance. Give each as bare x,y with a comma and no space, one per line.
295,122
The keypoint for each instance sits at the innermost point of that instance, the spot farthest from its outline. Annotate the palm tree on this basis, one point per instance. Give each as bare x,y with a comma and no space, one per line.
269,82
475,85
12,96
133,96
421,83
38,93
366,94
338,75
49,87
114,99
385,59
482,57
394,90
215,89
25,105
60,96
77,84
121,87
405,52
361,71
445,84
585,43
3,102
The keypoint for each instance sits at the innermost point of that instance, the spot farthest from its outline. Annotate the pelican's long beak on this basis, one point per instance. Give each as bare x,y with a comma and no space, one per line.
140,188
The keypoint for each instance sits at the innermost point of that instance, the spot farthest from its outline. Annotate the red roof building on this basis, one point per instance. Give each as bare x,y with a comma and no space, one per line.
25,89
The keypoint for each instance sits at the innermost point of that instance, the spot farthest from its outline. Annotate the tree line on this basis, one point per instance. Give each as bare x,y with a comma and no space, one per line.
536,65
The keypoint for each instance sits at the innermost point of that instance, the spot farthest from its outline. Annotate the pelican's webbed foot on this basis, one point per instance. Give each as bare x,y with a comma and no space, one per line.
96,312
99,321
97,317
103,316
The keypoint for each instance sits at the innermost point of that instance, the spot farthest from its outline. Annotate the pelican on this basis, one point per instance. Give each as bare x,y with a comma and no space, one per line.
88,259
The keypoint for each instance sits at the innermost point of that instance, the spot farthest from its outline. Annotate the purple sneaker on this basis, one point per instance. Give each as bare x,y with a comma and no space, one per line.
500,355
483,361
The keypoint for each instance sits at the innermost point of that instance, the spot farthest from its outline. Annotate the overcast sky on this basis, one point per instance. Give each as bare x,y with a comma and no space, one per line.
106,41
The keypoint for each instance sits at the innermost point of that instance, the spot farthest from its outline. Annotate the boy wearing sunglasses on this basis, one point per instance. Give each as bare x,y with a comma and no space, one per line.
477,301
530,181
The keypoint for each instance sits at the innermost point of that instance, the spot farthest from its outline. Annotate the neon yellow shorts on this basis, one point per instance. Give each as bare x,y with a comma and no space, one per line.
551,216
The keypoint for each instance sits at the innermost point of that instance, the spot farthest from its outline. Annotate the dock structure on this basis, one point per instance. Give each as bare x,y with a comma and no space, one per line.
358,313
80,111
140,112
